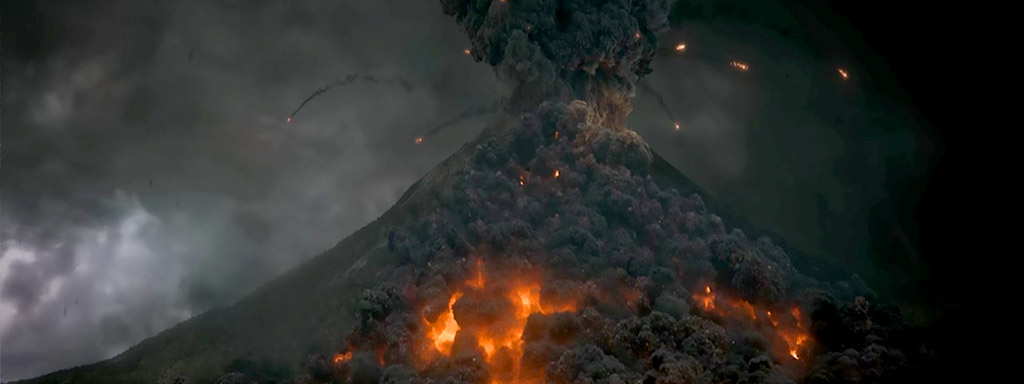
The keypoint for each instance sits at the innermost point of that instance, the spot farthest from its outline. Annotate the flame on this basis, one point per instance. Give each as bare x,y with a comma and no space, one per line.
503,338
419,140
743,67
556,174
843,73
342,357
789,330
680,47
442,331
707,300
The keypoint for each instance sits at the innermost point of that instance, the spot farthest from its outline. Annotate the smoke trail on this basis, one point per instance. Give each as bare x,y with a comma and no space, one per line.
661,101
348,80
476,111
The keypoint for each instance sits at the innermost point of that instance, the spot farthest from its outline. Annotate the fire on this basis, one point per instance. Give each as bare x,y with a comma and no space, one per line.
501,341
739,65
790,330
706,300
442,331
680,47
842,73
556,174
419,140
522,180
342,357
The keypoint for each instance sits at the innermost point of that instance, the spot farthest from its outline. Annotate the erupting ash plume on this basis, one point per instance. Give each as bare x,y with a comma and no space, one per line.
557,248
348,80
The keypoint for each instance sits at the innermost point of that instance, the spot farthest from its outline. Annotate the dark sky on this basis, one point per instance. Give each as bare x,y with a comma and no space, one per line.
148,173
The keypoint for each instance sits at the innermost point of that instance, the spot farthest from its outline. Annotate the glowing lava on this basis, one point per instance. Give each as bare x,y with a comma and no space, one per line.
500,341
442,331
788,330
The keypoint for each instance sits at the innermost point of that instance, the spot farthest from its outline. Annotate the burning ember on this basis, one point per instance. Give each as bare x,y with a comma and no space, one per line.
556,174
419,140
739,65
677,125
342,357
843,73
680,47
467,51
289,120
522,180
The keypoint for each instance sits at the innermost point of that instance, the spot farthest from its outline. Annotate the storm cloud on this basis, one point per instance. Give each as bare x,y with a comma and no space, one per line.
149,173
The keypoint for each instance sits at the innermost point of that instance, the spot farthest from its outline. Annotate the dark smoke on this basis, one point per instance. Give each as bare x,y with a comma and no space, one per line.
566,50
347,80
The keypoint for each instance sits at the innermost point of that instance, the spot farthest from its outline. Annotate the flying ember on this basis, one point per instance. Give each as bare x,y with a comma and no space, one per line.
739,65
680,47
843,73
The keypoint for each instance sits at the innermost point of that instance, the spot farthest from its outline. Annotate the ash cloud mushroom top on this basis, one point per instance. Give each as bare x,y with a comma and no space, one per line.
591,50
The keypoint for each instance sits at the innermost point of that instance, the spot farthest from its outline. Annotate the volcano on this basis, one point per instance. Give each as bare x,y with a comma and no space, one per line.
556,247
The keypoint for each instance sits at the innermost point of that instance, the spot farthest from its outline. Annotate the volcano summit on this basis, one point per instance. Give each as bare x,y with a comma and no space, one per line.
556,247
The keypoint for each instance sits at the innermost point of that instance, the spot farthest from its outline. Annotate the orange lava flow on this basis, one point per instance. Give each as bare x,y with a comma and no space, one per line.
500,341
788,328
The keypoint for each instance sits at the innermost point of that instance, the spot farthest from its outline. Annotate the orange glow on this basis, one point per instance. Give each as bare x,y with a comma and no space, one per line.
478,280
442,331
677,125
467,51
680,47
556,135
556,174
789,331
707,299
501,342
419,140
342,357
637,35
739,65
842,73
522,180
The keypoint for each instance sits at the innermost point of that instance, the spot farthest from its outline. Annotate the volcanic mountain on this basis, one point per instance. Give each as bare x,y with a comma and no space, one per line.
555,247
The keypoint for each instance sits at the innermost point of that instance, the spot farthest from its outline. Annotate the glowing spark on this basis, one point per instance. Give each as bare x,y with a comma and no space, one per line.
556,135
556,174
637,35
842,73
740,65
678,127
467,51
680,47
419,140
522,180
289,119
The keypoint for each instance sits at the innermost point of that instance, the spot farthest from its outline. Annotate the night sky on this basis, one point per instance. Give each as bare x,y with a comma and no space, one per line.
149,174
